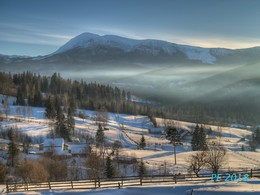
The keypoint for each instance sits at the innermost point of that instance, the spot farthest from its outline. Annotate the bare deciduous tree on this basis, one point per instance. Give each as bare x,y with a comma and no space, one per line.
197,162
94,165
101,116
3,172
31,171
56,167
215,157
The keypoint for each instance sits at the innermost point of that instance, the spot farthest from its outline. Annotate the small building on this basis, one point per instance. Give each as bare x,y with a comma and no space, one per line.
185,134
55,145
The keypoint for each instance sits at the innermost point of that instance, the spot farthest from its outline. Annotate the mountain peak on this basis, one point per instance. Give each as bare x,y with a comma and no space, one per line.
78,41
150,47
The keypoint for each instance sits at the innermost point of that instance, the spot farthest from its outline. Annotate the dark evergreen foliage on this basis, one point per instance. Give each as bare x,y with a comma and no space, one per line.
257,135
142,169
142,143
13,150
172,134
109,169
198,141
100,136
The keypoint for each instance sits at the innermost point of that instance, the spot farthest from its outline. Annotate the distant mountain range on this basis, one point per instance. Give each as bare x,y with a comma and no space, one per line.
88,49
220,80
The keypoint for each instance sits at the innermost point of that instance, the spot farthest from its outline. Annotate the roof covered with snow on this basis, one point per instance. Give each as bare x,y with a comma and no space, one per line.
57,142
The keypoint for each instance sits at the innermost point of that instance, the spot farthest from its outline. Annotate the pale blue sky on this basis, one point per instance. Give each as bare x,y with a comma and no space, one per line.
36,27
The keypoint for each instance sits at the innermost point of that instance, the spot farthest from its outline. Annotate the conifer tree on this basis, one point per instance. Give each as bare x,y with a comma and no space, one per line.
142,143
50,111
13,150
173,135
195,141
142,169
109,171
198,141
19,97
202,140
100,136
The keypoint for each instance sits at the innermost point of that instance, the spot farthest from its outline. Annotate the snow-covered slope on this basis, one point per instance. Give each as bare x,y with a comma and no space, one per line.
148,46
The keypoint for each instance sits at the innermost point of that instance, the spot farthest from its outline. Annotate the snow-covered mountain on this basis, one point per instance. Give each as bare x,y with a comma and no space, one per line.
148,46
90,49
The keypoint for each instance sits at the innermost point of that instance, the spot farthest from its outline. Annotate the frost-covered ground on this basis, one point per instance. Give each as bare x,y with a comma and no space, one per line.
129,129
250,187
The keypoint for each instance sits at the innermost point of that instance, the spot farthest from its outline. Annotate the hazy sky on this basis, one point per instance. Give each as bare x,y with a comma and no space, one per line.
37,27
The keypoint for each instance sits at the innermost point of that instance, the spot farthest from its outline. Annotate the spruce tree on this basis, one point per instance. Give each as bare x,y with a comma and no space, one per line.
13,150
142,143
109,171
50,111
173,135
19,97
100,136
202,140
142,169
195,141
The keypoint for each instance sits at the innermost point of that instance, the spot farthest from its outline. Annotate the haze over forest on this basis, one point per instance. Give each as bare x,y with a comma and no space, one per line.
217,84
185,77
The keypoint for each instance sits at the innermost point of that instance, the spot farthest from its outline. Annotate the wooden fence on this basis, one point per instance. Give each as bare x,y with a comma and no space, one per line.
119,182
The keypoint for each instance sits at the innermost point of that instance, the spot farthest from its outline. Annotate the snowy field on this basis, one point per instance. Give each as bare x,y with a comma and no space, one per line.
250,187
129,129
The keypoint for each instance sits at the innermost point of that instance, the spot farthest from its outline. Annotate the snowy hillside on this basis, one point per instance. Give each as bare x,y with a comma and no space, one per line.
154,47
129,129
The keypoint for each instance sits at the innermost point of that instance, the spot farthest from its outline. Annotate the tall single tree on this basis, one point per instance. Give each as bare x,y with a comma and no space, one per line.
13,150
115,150
195,138
142,143
142,169
215,157
100,136
202,140
197,162
109,169
173,135
50,111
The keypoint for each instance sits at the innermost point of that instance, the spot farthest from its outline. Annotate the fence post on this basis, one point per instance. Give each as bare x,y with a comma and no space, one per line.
71,184
141,181
7,187
118,185
99,182
175,178
49,185
122,181
95,183
15,186
251,173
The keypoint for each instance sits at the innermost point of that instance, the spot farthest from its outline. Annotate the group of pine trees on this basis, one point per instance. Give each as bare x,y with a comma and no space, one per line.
34,90
64,123
198,141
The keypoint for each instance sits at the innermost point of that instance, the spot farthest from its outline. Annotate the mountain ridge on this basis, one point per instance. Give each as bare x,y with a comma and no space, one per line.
89,48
